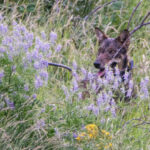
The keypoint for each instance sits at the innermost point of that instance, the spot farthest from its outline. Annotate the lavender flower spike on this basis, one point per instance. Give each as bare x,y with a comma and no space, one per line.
53,37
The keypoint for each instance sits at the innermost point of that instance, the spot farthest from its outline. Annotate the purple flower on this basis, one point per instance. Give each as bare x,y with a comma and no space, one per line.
13,68
80,96
53,36
112,102
110,93
105,82
74,74
26,87
29,37
43,35
146,79
38,82
43,64
65,92
1,75
1,17
90,76
58,48
8,41
115,85
42,110
2,50
57,132
113,112
144,88
123,90
131,84
16,33
84,72
90,107
107,108
74,65
44,75
3,29
100,100
26,97
14,23
126,77
26,47
53,106
40,124
106,97
100,81
34,96
96,111
109,74
75,135
49,54
103,121
36,65
75,85
129,92
44,46
94,86
22,28
117,72
10,104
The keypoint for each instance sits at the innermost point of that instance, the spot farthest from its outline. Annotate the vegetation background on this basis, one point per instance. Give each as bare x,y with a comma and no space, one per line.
48,117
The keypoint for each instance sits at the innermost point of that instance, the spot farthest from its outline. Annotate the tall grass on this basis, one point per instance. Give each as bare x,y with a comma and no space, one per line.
41,106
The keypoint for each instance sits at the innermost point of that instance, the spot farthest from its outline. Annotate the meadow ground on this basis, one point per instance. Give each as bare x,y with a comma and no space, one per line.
41,107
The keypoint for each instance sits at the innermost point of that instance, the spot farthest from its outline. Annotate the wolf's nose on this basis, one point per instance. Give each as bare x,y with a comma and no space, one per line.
97,64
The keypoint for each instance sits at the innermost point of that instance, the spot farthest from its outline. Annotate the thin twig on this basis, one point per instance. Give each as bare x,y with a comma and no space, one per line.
145,17
93,11
135,119
60,65
133,13
142,123
138,27
133,31
142,24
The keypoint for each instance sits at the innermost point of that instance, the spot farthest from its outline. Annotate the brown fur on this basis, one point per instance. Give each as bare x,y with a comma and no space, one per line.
112,52
108,49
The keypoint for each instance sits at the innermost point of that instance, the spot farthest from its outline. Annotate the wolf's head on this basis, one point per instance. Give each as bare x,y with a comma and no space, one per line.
112,51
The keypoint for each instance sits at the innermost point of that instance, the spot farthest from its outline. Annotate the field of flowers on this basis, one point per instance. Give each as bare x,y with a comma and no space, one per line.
41,106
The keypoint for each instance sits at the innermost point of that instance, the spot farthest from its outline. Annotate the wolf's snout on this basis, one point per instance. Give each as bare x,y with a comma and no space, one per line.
96,64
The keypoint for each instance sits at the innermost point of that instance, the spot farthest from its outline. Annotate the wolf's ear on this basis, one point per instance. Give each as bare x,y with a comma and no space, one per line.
100,35
124,37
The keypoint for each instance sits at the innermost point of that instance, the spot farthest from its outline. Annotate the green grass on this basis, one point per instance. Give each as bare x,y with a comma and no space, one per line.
130,129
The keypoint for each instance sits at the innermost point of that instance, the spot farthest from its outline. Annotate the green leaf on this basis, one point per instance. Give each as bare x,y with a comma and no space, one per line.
31,8
21,9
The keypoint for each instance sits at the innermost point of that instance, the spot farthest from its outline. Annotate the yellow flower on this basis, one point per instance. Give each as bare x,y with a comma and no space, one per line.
91,128
98,146
107,133
110,144
106,147
91,136
80,136
103,131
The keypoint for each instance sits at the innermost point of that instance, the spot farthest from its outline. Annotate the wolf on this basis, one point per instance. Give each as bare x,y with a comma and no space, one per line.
113,52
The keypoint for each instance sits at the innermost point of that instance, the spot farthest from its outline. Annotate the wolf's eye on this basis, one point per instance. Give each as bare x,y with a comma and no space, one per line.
113,64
